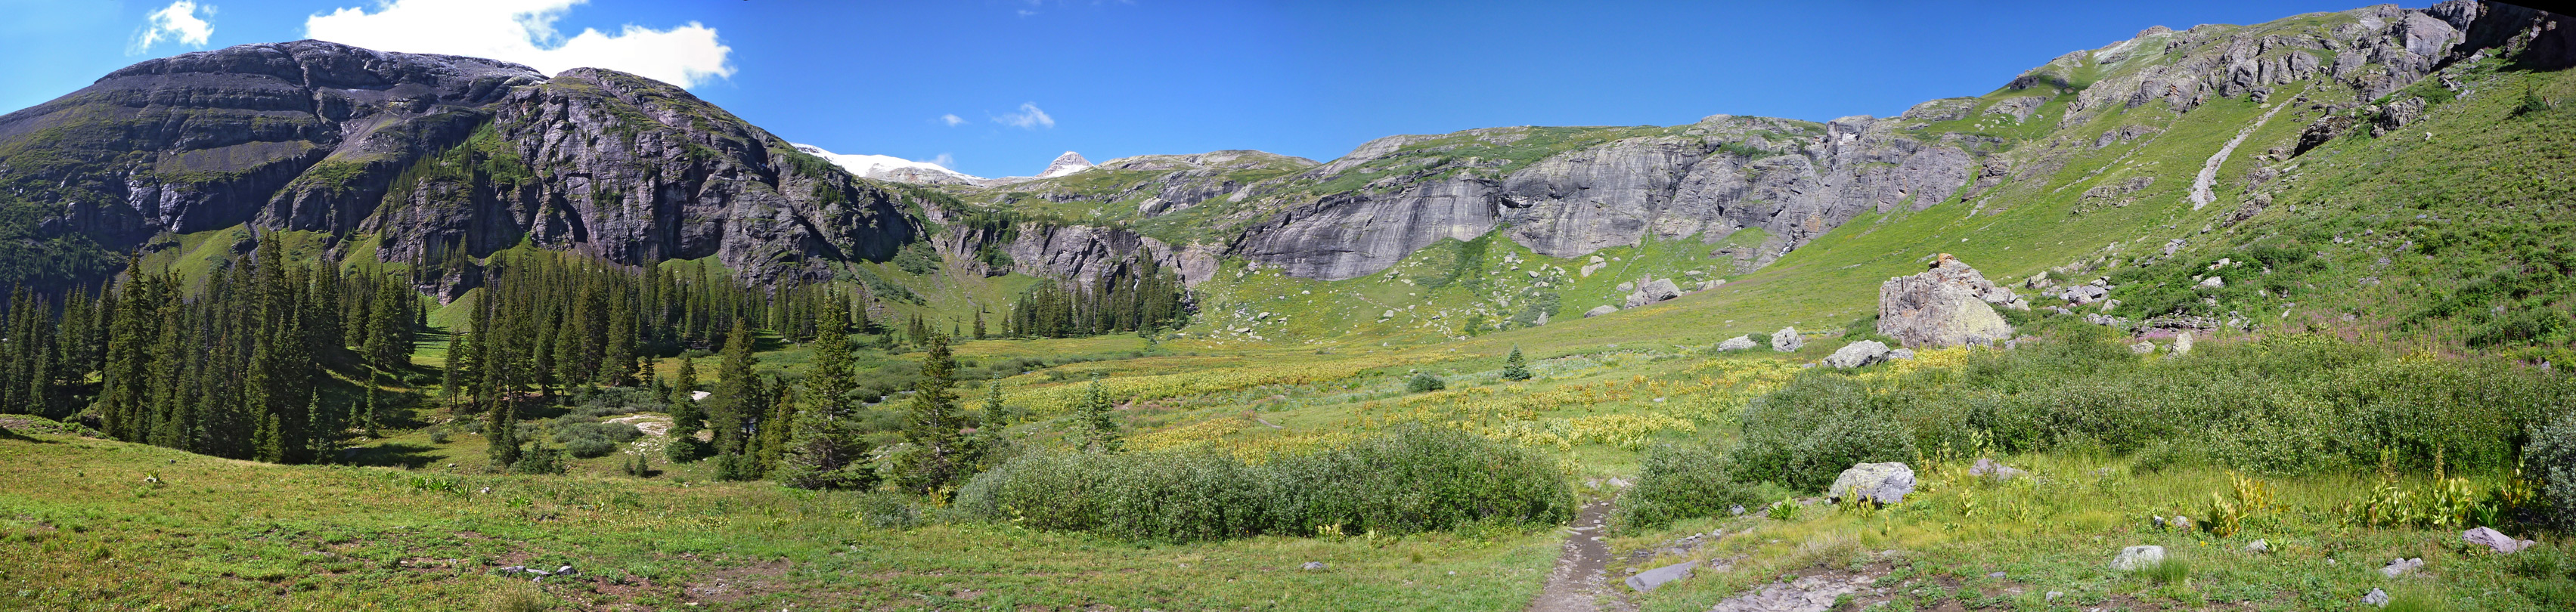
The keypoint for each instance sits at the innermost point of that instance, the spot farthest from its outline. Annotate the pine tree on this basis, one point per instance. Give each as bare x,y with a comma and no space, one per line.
996,415
737,400
687,418
827,450
684,388
940,456
1514,368
1100,419
501,434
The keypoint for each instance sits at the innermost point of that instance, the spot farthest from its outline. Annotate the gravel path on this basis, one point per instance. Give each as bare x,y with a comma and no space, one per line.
1579,583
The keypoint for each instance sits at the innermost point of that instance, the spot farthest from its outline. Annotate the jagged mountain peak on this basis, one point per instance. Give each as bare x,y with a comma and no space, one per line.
1068,163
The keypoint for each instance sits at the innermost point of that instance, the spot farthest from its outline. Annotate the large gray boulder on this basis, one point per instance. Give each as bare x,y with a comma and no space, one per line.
1654,290
1786,340
1646,581
1947,305
1885,483
1857,354
2495,540
1737,343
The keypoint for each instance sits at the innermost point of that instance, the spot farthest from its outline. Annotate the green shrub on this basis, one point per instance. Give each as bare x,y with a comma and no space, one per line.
1424,382
2169,571
1410,479
1821,424
2550,459
684,449
540,458
1678,482
588,440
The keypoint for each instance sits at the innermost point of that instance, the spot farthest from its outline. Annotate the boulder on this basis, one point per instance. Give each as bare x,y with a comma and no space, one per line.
2084,294
1311,565
1646,581
1786,340
1947,305
2213,283
2182,344
1989,468
1600,310
2495,540
2376,598
2143,347
1737,343
1857,354
2136,558
2259,546
1885,483
2401,567
1656,290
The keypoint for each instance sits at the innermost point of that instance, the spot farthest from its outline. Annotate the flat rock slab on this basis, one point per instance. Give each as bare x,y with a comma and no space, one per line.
1646,581
1808,594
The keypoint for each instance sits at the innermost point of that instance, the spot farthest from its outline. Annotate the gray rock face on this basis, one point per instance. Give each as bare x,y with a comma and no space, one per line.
1947,305
1786,340
1080,253
1884,483
1737,343
2136,558
1857,354
1793,180
1161,184
1653,291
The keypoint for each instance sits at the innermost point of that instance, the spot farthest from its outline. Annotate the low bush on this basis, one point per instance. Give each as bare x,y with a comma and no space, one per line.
1678,482
1424,382
2551,461
1410,479
588,440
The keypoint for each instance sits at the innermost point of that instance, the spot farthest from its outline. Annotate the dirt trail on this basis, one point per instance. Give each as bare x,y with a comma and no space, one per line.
1579,583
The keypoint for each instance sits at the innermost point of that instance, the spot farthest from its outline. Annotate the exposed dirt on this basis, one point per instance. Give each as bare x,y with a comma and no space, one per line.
1580,583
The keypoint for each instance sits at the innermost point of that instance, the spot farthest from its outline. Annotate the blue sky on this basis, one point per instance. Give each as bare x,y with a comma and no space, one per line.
1114,78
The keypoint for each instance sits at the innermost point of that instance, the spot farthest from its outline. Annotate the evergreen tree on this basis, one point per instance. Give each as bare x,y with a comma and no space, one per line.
688,417
828,450
1100,419
501,435
939,456
685,387
737,398
1514,368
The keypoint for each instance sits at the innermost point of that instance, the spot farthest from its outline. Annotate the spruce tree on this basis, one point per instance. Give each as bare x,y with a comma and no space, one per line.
737,391
687,419
1514,368
1100,419
940,456
827,450
501,434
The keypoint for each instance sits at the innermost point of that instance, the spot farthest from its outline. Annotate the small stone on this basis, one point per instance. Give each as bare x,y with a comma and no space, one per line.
1737,343
2376,598
2401,567
1737,510
2495,540
2143,347
1312,565
1995,575
2213,283
1786,340
2053,595
1646,581
1600,310
2136,558
1885,483
2259,546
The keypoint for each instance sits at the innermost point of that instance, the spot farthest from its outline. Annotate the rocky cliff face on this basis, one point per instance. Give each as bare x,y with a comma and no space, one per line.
1793,180
423,150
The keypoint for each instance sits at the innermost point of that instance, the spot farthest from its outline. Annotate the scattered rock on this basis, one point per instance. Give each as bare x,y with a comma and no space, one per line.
2495,540
2143,347
1786,340
2053,595
1627,286
2136,558
2401,567
1647,581
1900,354
2084,294
1809,594
2182,344
2213,283
1312,565
1995,575
1656,290
1948,305
2259,546
1600,310
1736,510
1989,468
1885,483
1737,343
1857,354
2177,522
2376,598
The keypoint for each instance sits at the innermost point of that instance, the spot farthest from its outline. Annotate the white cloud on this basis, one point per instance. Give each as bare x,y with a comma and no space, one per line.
178,22
952,120
944,160
1028,118
523,31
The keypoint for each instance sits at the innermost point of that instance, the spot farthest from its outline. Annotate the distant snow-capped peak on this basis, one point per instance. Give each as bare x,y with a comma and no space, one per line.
1068,163
891,168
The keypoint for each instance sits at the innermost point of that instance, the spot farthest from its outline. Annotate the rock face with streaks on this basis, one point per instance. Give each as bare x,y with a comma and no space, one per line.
1947,305
428,152
1792,180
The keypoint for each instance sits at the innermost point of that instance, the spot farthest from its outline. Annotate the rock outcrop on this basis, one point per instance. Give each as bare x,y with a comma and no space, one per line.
1787,340
1857,354
1652,291
1884,483
1947,305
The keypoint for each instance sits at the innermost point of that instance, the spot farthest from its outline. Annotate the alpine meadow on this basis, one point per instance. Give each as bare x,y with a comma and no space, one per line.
2232,317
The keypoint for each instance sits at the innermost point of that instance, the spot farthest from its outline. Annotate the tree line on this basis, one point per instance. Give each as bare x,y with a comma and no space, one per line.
1137,295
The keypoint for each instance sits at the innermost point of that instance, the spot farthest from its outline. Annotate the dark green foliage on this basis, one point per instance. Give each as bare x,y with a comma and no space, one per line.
1137,295
588,440
828,449
917,258
540,458
1515,368
1408,480
938,456
1681,481
1099,419
2550,459
1821,424
1422,382
1466,266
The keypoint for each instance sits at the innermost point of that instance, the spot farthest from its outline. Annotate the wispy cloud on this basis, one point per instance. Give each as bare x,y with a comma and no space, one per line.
1029,118
523,31
952,120
178,22
944,160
